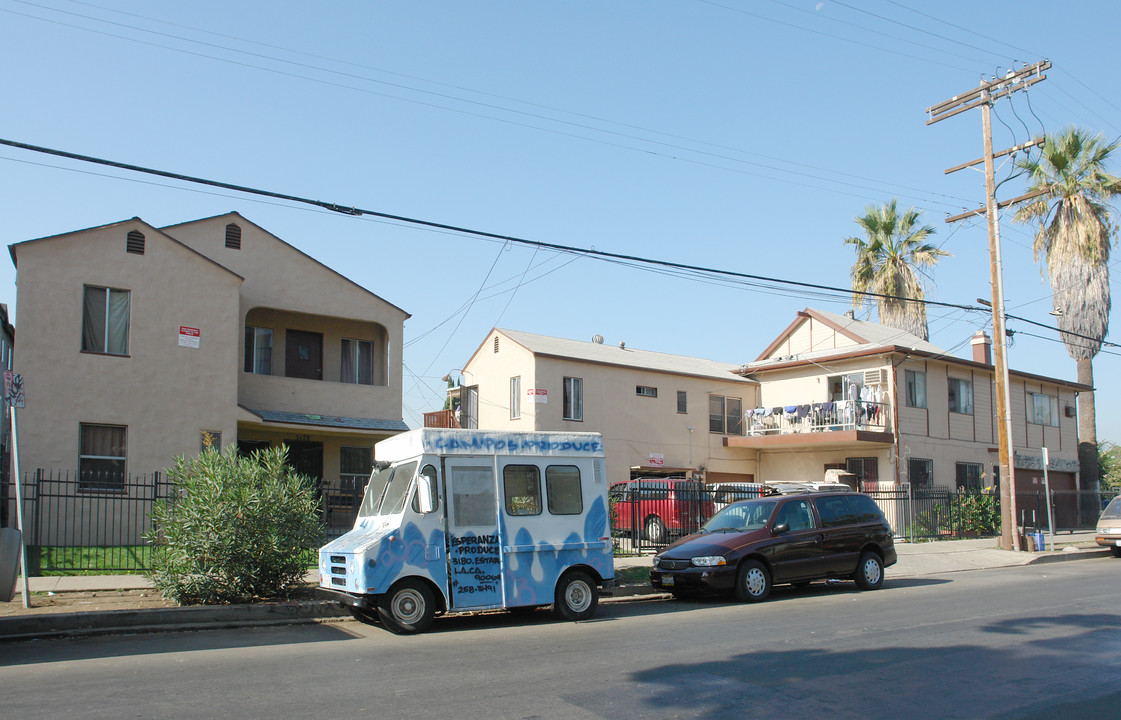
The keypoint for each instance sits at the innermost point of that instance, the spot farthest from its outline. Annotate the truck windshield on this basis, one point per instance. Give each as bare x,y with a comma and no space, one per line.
387,490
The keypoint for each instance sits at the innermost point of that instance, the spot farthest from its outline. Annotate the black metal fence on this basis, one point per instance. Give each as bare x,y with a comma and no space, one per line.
71,528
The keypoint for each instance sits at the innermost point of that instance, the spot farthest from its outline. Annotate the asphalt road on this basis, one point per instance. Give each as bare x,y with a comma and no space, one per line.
1039,641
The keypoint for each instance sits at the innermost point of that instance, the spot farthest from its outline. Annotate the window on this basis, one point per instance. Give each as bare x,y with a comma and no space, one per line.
515,397
134,242
469,407
258,350
915,383
355,464
1043,409
562,484
920,472
357,362
105,314
682,402
233,237
101,457
961,396
725,415
969,476
573,398
523,489
865,468
646,391
835,511
797,515
428,471
210,440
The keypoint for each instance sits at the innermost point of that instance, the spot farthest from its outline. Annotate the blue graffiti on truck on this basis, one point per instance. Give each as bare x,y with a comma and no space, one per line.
515,444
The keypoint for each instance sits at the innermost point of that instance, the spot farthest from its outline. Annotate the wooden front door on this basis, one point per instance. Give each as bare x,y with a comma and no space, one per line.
303,355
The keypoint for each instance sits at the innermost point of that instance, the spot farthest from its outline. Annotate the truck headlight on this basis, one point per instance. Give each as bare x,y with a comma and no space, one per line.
709,560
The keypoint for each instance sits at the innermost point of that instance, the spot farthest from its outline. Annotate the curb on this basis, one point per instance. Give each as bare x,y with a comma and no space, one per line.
166,619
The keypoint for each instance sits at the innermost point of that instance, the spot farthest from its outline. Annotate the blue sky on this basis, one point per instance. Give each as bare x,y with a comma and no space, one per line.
736,135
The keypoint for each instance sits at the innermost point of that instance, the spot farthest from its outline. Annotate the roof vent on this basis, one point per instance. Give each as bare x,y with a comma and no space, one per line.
597,339
622,345
850,314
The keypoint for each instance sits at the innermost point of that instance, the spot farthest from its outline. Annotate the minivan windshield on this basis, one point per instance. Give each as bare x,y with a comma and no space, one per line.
741,517
388,490
1113,509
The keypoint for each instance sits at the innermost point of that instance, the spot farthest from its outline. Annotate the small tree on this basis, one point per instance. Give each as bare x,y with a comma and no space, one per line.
235,530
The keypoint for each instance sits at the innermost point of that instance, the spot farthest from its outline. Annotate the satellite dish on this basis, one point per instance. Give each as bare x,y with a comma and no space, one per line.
597,339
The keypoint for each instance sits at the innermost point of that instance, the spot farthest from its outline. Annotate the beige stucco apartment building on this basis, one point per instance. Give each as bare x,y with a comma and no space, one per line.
900,410
138,344
830,392
659,414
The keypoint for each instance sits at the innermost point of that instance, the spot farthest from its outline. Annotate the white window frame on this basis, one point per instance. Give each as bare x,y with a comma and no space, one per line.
573,399
516,397
106,321
916,380
646,391
1043,409
355,352
960,405
253,360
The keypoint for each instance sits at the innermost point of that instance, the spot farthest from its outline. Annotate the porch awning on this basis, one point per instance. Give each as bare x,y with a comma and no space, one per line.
328,421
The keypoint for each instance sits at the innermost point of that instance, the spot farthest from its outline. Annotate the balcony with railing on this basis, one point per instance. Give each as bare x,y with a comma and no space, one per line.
841,422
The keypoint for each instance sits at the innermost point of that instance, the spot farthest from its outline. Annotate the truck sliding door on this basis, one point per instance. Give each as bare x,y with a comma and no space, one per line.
474,550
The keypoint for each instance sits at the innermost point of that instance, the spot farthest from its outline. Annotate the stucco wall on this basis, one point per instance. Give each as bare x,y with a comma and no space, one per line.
165,394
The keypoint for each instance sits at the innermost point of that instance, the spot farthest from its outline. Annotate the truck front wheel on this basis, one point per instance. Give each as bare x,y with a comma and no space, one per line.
407,608
576,596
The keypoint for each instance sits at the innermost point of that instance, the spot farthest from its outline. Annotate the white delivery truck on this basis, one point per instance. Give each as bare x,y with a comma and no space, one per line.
463,520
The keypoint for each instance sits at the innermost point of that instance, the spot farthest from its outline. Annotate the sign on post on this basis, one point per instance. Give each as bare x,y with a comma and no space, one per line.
13,389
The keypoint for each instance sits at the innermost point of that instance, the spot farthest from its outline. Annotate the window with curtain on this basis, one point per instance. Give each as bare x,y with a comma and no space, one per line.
101,457
725,415
915,382
358,362
716,414
515,397
961,396
1043,409
105,314
258,350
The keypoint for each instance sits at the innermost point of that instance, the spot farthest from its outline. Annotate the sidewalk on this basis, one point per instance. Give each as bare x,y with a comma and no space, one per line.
915,560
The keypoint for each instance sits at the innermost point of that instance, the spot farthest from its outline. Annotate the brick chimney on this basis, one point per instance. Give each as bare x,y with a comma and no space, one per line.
982,348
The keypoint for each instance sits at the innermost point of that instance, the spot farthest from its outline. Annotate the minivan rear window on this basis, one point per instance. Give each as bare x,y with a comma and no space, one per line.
685,490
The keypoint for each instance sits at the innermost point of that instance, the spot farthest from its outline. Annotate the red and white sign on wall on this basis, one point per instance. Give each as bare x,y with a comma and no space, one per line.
539,396
657,460
189,336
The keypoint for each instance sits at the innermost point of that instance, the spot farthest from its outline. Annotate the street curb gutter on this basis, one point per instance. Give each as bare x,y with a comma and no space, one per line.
167,619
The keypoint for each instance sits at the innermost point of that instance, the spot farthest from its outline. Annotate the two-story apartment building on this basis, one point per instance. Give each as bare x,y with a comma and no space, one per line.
836,392
659,414
138,344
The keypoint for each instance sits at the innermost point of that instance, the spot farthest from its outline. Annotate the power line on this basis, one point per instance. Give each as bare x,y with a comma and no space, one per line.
591,252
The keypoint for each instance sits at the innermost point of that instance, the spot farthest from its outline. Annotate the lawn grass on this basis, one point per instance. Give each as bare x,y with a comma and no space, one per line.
632,576
116,560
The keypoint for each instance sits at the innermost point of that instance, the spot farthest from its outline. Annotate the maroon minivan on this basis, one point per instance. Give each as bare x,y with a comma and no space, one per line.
660,507
750,546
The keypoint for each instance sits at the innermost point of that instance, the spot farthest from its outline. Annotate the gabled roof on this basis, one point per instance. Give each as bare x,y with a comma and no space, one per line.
591,352
14,246
862,332
241,218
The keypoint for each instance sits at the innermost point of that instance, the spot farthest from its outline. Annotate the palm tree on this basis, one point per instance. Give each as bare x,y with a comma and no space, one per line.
1073,239
891,262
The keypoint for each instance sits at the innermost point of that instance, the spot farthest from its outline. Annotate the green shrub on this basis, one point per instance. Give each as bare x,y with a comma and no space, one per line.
235,529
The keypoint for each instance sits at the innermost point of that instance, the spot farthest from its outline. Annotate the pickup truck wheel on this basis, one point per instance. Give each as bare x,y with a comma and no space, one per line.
753,582
655,530
407,608
576,597
869,572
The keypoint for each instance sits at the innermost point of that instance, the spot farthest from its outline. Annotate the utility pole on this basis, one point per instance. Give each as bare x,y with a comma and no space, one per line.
983,96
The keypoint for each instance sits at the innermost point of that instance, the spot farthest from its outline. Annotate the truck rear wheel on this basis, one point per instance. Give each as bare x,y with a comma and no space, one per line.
407,608
576,597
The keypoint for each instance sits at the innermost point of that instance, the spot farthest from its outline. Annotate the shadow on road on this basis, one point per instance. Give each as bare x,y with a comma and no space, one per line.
107,646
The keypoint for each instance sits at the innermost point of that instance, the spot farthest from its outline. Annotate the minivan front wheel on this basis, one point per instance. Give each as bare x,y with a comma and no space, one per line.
753,582
870,572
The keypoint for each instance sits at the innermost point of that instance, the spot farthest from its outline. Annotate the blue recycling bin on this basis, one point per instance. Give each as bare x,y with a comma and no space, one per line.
1040,542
